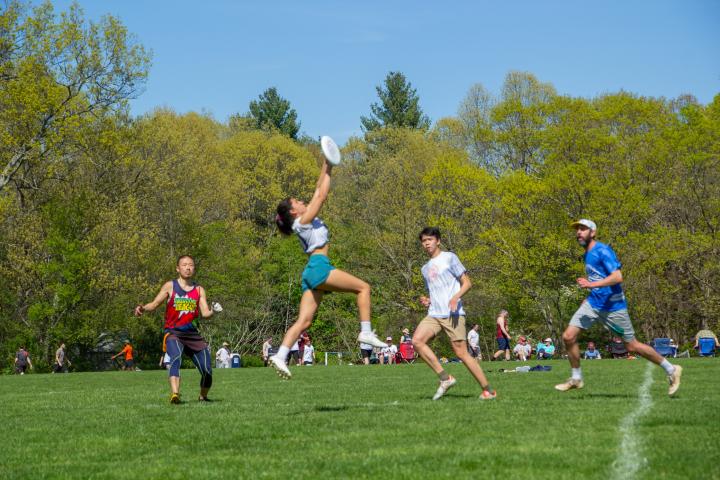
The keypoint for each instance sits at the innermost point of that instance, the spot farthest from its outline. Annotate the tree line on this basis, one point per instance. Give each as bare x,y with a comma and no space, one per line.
96,205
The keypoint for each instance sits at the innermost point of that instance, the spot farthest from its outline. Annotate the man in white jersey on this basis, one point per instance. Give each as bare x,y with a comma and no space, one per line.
447,281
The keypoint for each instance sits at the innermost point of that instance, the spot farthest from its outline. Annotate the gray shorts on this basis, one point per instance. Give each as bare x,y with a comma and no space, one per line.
618,321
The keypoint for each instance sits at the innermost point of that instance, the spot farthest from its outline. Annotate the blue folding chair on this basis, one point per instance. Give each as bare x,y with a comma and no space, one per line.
663,347
706,347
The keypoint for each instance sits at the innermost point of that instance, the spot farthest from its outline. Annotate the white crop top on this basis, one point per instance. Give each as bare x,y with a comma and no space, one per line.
313,235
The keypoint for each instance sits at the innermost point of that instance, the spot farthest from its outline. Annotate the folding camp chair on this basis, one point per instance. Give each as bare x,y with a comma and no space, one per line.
663,347
407,352
706,347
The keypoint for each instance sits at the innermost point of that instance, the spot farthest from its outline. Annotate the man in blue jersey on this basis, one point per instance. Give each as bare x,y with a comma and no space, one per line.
606,304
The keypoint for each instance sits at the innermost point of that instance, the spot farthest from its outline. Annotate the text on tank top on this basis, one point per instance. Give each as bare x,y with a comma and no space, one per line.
182,307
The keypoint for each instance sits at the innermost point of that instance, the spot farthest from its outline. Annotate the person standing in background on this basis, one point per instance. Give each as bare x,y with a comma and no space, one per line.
502,336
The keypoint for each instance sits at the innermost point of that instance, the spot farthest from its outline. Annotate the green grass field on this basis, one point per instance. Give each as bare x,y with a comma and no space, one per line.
359,422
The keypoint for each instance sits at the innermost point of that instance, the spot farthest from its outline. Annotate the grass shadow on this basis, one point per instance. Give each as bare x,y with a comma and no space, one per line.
589,396
331,408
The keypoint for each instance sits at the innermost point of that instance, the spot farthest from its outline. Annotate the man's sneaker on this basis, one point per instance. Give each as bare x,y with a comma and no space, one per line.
204,399
569,385
674,380
444,387
175,398
488,395
280,367
371,339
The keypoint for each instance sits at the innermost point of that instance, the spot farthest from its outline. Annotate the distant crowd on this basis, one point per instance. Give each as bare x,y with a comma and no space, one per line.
303,351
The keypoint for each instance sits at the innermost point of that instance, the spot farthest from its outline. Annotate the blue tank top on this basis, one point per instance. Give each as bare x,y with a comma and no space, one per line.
600,262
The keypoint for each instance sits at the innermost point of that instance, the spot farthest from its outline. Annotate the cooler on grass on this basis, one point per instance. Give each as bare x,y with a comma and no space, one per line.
235,361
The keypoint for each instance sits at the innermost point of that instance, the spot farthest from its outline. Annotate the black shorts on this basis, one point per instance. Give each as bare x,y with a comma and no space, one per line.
20,368
307,363
294,354
57,368
365,353
129,363
474,352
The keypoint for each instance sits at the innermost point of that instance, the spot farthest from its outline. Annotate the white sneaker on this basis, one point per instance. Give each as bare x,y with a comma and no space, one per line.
674,380
280,367
371,339
570,384
444,387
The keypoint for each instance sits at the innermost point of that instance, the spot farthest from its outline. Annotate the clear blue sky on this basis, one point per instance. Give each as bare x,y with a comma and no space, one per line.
327,57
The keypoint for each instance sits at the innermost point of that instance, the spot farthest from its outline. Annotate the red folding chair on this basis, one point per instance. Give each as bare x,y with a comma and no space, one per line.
407,352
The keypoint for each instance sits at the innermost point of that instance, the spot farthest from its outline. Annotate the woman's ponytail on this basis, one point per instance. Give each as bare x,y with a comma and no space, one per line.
284,219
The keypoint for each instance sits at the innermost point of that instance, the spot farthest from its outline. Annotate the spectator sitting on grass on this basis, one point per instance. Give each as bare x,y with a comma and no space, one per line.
522,349
387,354
546,350
592,353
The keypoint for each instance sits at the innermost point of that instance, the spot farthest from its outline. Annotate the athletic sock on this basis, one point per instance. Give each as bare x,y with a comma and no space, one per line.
282,352
443,375
365,326
668,367
576,373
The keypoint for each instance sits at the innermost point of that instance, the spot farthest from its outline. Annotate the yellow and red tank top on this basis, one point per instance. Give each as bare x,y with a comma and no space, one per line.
182,308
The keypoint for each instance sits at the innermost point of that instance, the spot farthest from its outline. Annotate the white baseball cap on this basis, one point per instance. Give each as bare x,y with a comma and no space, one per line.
584,222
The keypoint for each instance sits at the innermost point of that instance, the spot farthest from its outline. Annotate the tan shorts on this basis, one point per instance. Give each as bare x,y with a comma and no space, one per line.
453,326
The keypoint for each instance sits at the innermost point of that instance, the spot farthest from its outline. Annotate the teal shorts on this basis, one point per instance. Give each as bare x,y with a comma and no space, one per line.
316,272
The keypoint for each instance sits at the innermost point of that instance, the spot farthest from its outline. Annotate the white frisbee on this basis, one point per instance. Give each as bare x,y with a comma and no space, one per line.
330,150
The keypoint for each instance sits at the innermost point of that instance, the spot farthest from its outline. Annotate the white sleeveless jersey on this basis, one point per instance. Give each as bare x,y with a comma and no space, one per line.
313,235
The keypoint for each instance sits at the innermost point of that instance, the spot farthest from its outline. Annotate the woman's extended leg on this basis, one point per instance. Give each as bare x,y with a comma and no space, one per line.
308,306
339,281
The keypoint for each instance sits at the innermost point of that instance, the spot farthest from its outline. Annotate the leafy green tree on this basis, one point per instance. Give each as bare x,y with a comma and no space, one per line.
474,114
519,119
271,111
57,75
399,106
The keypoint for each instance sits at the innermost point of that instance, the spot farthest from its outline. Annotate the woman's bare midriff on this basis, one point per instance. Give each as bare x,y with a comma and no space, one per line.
322,250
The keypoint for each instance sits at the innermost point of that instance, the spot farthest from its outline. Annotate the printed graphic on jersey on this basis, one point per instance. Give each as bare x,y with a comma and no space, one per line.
184,304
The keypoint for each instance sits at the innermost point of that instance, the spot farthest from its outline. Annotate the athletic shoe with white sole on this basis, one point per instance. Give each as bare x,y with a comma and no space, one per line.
674,380
488,395
280,367
371,339
445,385
569,385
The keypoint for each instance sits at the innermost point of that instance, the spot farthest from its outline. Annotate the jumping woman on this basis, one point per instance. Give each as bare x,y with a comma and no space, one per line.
319,276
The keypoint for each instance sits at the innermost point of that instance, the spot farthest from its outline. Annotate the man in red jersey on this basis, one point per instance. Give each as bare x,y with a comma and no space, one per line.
186,301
